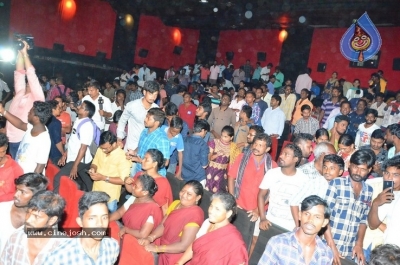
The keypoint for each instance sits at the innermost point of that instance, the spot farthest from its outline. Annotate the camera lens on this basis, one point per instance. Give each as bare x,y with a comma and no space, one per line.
19,45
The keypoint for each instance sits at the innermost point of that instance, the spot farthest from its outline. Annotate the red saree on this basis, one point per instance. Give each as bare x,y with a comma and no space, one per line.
223,246
173,227
134,218
164,192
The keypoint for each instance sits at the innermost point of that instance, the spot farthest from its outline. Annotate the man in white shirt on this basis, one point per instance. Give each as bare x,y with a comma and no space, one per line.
281,184
78,158
14,212
214,72
365,130
102,104
386,207
303,81
265,71
144,73
135,113
34,149
124,78
152,76
273,119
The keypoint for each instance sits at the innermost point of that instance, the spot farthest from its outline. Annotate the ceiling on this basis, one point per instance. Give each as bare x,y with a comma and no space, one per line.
265,14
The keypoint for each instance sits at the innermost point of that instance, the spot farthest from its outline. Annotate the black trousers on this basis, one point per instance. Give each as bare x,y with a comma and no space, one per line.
83,180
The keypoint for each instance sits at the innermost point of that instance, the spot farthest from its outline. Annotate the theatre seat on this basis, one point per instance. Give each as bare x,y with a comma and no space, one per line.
245,226
262,241
176,185
274,147
70,192
205,202
51,171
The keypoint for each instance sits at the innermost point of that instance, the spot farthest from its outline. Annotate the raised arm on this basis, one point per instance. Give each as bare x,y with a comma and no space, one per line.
15,121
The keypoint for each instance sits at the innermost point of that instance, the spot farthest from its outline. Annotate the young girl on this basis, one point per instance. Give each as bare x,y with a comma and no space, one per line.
222,152
242,128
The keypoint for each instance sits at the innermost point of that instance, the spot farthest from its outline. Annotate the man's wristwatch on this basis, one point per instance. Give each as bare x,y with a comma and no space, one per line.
107,179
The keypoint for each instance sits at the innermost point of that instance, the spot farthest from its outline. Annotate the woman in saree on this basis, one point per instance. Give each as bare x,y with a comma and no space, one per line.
139,219
152,161
179,227
218,241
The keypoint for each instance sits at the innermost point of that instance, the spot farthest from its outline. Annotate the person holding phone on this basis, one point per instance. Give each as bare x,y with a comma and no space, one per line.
387,205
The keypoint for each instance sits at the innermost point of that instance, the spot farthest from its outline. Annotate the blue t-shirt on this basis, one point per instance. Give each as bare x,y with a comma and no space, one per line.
175,143
54,129
195,158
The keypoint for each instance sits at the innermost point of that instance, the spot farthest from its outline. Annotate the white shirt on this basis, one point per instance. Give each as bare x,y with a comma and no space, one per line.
237,105
134,114
85,137
143,74
152,77
273,121
228,84
99,120
265,73
381,112
214,71
363,136
391,212
125,76
303,81
331,118
281,190
221,68
33,150
6,227
267,98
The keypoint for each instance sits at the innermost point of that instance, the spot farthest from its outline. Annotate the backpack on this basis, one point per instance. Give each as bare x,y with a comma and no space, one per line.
64,94
96,132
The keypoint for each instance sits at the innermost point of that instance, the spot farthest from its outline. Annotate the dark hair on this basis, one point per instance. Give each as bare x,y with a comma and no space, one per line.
247,110
346,140
181,89
34,181
42,110
157,156
305,107
117,116
206,107
379,94
386,254
394,129
263,137
170,109
376,75
372,111
95,84
3,140
277,98
48,202
149,184
197,187
315,200
363,101
53,104
340,118
3,122
201,125
296,152
176,122
229,130
151,86
227,200
363,156
303,137
227,95
392,162
92,198
252,93
335,159
320,132
107,137
378,134
158,115
257,128
120,91
305,90
90,108
345,102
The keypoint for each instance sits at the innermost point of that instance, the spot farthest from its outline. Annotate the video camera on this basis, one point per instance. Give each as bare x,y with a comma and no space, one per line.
19,45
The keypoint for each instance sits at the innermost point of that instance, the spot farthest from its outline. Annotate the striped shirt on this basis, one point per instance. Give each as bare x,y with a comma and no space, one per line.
327,107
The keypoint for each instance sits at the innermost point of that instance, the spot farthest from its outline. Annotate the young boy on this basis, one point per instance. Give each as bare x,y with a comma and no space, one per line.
333,167
241,127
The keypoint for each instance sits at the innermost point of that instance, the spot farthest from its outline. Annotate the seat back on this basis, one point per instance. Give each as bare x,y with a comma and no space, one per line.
176,185
71,194
242,222
51,171
274,148
205,202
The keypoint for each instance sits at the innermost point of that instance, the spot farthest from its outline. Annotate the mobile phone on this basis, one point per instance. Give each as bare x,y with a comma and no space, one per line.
388,184
87,171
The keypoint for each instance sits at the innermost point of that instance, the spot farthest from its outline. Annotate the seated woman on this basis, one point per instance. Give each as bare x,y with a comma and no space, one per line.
321,135
152,161
179,227
346,149
139,219
218,241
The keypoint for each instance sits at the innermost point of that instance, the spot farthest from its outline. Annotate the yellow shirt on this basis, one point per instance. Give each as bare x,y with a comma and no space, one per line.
112,165
297,111
287,105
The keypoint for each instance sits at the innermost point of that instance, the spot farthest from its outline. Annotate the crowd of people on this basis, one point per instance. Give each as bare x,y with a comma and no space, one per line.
331,194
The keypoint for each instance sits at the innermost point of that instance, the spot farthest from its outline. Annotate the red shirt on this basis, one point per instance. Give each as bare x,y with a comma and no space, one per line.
250,183
188,114
65,120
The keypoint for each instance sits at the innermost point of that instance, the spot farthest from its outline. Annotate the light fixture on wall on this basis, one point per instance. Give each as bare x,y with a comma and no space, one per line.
283,35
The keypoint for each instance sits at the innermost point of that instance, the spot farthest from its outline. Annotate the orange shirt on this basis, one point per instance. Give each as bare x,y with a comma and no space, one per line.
297,109
65,120
251,181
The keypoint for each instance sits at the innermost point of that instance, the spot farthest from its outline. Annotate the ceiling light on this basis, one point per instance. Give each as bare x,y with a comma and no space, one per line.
203,1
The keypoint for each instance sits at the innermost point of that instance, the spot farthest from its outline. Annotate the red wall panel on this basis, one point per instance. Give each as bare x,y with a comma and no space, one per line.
246,43
325,49
159,40
91,29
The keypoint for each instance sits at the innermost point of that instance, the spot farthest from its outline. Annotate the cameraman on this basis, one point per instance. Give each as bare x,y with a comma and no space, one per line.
25,95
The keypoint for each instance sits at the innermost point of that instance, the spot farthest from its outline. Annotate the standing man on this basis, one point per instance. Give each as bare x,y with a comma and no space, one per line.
109,92
288,102
279,78
221,116
349,199
132,91
144,73
265,72
254,130
303,81
357,117
260,102
101,103
95,248
134,114
273,120
376,145
329,105
306,247
366,129
256,110
248,70
255,79
214,72
203,112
